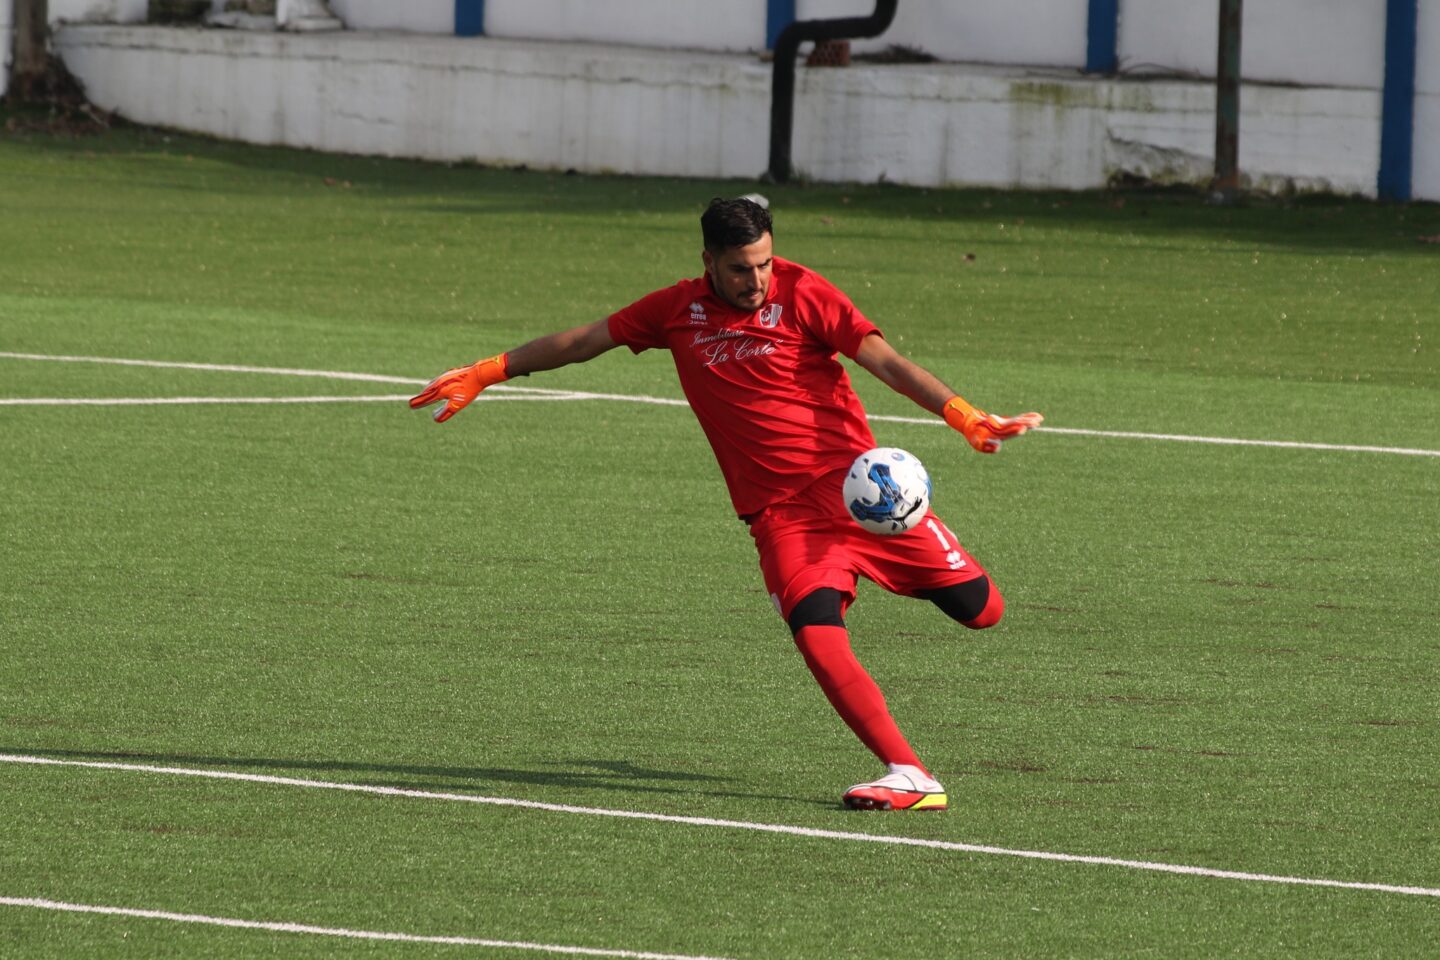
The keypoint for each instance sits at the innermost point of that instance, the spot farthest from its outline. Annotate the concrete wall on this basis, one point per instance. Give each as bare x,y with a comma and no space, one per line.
418,16
98,11
733,25
939,125
495,101
1427,102
7,39
1343,39
686,113
1031,32
1339,43
1003,128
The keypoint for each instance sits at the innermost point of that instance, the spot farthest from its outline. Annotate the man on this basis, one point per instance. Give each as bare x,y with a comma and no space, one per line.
754,341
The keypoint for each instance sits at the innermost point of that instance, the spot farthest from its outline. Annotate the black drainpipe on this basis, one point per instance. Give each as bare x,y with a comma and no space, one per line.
787,47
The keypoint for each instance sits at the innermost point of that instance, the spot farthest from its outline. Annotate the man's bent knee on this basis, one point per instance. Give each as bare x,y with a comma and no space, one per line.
818,608
976,603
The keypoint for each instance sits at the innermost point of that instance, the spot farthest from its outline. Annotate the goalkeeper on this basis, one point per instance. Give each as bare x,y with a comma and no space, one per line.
754,341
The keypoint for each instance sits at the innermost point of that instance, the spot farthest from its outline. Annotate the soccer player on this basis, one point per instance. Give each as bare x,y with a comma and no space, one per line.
754,341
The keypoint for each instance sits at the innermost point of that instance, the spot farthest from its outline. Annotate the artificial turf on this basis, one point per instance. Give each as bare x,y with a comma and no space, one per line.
1219,656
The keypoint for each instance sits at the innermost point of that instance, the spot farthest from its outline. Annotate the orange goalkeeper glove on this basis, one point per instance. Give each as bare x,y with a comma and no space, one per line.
985,430
460,386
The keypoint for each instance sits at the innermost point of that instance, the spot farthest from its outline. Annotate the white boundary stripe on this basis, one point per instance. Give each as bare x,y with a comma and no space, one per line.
1234,441
275,927
728,824
216,367
540,393
1190,438
179,401
184,401
335,375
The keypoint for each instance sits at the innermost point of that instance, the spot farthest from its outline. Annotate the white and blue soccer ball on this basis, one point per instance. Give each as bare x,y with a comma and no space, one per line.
887,490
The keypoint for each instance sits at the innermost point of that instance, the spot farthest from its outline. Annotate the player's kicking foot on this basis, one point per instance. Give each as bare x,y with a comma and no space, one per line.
905,787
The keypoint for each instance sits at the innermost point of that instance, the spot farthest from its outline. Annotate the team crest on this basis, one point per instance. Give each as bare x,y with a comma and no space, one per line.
770,315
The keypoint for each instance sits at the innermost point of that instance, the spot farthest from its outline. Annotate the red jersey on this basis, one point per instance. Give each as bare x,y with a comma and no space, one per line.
774,402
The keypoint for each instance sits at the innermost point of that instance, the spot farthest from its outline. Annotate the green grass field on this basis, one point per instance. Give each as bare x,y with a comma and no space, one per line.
1216,656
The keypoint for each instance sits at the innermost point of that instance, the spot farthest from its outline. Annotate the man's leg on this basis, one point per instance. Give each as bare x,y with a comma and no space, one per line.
808,559
975,603
819,629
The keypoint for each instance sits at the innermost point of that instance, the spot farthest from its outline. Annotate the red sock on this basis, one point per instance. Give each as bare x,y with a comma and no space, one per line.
852,693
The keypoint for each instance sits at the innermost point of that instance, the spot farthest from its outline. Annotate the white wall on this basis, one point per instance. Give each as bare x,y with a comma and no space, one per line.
1042,32
501,102
1337,43
1426,179
685,113
1319,42
7,37
418,16
677,24
98,11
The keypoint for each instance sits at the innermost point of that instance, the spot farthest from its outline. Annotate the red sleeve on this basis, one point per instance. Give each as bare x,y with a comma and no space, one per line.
832,318
641,326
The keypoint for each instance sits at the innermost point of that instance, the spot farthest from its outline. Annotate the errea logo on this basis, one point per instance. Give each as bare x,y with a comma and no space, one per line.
697,312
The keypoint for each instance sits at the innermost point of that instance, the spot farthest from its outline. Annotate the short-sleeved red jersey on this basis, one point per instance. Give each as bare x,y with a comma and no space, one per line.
774,402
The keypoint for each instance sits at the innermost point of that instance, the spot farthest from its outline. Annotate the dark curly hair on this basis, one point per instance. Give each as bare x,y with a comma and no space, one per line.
733,223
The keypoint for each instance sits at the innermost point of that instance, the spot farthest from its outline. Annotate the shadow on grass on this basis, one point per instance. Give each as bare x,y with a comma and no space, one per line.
616,775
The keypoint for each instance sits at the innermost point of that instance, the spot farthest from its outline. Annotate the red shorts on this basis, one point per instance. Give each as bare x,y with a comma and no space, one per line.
810,541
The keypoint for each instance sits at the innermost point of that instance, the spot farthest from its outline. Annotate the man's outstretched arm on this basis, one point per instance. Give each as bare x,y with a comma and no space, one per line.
984,431
458,387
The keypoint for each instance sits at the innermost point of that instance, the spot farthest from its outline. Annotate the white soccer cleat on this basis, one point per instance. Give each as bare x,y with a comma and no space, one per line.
905,787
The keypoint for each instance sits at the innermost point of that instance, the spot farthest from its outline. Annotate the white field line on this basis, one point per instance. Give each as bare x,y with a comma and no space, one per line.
178,401
728,824
187,401
275,927
538,393
1190,438
216,367
334,375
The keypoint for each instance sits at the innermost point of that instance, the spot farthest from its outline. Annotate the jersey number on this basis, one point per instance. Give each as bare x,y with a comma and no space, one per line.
952,556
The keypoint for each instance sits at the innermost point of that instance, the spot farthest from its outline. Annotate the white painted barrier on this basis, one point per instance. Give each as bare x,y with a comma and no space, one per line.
98,11
1335,43
940,124
1331,43
597,108
1426,177
730,26
7,37
416,16
1016,32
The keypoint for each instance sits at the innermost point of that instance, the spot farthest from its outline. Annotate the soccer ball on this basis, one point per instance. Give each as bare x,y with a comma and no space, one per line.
887,490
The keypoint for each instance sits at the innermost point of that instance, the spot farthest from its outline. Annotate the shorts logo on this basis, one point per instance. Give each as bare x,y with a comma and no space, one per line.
770,315
697,312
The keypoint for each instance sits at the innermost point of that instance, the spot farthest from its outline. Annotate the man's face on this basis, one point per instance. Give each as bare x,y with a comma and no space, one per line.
741,275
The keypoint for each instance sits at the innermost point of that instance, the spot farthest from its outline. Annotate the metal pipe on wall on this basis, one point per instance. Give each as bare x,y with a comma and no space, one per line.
782,91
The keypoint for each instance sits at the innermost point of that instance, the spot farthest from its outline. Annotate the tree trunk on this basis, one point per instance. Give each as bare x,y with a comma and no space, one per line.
31,54
1227,104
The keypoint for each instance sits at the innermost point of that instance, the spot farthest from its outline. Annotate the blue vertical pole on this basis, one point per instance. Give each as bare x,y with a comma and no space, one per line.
1102,41
779,14
469,18
1397,115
